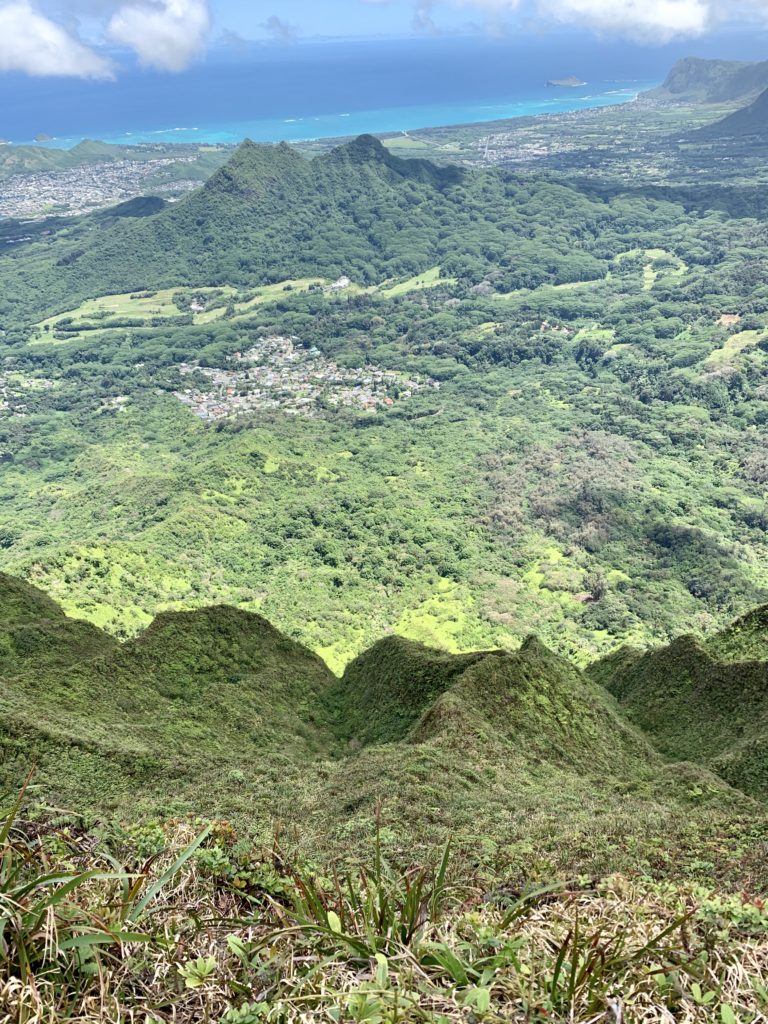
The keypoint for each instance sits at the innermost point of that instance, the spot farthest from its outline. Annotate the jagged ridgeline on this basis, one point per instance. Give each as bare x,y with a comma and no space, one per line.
270,215
215,713
703,700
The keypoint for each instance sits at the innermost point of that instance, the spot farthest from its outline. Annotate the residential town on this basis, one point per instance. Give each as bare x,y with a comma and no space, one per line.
278,373
79,190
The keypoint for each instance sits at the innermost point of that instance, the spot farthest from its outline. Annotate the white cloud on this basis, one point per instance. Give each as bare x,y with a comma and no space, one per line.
655,20
423,21
166,34
665,18
34,44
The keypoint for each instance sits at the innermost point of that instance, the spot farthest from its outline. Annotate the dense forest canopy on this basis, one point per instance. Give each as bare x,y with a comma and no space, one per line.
564,428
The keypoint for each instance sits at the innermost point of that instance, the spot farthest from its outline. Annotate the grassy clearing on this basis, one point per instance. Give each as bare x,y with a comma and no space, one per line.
188,925
108,310
267,293
407,142
734,346
548,289
594,333
100,316
429,279
147,304
656,263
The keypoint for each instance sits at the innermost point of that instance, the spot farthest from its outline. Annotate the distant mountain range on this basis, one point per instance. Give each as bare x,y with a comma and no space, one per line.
696,80
214,712
269,214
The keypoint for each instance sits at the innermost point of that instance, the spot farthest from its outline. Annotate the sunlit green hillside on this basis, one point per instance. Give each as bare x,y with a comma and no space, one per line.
215,710
362,394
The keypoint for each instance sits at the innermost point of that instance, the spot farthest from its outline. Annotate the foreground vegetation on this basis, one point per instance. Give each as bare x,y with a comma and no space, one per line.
161,927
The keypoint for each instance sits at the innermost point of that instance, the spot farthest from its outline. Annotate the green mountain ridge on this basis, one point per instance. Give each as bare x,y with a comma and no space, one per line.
744,639
706,700
271,215
751,120
214,712
696,79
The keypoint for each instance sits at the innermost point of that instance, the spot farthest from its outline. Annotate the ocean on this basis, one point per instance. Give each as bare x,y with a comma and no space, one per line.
336,88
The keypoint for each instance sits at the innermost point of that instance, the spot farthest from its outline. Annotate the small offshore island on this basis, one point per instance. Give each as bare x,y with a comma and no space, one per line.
571,82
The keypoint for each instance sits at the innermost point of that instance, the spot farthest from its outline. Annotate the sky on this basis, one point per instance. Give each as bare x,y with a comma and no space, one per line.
97,38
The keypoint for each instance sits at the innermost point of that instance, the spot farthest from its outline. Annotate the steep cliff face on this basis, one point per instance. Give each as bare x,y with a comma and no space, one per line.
695,79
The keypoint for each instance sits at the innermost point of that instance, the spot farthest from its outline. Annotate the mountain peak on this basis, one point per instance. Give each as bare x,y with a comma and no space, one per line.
359,152
255,168
368,151
365,147
220,636
20,602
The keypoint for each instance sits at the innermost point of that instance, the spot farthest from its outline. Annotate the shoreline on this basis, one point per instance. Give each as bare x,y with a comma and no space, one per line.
382,121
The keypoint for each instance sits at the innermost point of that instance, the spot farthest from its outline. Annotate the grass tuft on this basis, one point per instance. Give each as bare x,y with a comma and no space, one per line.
387,945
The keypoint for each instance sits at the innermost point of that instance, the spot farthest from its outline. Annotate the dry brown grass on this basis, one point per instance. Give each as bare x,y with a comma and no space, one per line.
619,952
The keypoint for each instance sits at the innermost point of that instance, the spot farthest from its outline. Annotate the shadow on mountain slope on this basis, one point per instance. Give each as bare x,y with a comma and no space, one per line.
706,701
215,713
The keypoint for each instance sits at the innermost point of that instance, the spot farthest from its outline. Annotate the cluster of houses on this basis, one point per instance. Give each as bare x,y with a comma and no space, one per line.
78,190
277,373
514,147
12,389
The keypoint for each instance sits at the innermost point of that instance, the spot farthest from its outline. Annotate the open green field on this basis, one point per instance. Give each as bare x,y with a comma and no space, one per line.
139,304
428,279
734,346
672,265
545,289
104,314
107,310
405,142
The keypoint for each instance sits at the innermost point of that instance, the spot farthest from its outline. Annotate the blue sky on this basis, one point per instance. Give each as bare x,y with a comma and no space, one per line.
295,19
88,38
342,18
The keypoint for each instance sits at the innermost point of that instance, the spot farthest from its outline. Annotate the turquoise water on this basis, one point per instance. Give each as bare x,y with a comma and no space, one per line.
325,89
385,119
331,89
